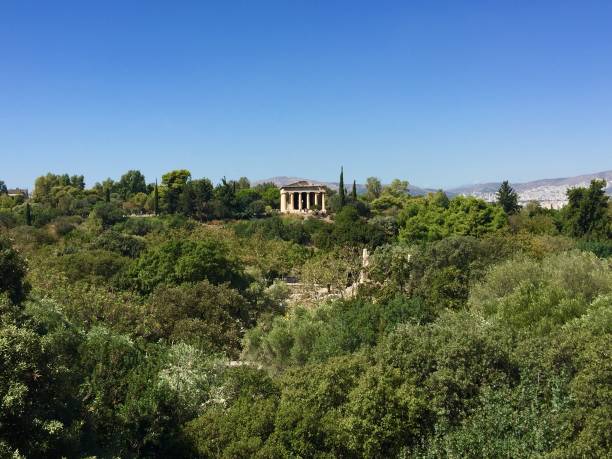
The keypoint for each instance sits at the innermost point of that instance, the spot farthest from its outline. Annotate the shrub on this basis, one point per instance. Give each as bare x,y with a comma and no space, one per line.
114,241
542,295
94,265
176,262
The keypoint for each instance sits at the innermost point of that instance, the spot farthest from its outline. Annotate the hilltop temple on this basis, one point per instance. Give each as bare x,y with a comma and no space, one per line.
302,197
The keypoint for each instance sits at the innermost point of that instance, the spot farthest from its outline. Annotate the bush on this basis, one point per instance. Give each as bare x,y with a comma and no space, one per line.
108,213
204,315
62,226
13,270
331,330
7,219
114,241
603,249
176,262
542,296
140,226
97,266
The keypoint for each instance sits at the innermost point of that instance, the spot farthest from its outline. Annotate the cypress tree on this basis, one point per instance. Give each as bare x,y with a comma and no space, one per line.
155,199
507,198
354,192
341,189
28,214
107,194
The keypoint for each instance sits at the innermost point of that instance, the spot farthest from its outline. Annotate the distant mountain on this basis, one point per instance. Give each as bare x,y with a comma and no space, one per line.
361,188
548,192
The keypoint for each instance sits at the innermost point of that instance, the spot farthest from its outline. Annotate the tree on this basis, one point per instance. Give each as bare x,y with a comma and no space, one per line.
207,316
334,270
38,377
427,219
507,198
202,190
341,189
176,179
586,214
28,214
390,264
225,199
107,195
179,261
3,189
78,182
397,188
174,182
373,187
59,191
156,199
12,272
243,183
354,192
132,182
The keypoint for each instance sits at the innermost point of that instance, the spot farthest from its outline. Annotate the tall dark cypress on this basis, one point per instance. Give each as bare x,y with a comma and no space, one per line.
341,189
508,198
107,194
28,214
354,192
155,199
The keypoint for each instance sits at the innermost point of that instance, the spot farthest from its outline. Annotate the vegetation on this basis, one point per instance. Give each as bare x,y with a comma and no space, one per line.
507,198
189,319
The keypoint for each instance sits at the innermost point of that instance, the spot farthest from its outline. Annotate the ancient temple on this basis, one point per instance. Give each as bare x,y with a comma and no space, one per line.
302,197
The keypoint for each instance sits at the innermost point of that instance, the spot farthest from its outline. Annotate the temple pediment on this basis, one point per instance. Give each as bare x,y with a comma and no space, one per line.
302,184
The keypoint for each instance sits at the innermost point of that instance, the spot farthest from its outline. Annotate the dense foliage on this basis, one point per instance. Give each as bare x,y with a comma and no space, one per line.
218,328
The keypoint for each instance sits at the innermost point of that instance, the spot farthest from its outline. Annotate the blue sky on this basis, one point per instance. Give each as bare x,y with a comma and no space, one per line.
438,93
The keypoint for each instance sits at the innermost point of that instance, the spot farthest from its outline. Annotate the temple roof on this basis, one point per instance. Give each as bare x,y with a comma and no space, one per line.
302,184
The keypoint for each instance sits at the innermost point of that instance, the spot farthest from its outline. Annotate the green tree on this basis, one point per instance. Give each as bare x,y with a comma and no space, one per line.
542,295
507,198
202,190
393,197
341,189
156,199
224,203
180,261
243,183
131,183
3,189
13,270
354,192
427,218
174,182
28,214
239,427
586,213
373,187
209,317
38,376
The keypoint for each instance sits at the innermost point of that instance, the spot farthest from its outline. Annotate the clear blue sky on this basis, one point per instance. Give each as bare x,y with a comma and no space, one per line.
438,93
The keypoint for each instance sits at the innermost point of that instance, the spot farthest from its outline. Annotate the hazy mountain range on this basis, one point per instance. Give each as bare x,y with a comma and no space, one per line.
548,192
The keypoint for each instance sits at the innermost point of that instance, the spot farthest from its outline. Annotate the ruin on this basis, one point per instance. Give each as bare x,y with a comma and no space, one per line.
302,197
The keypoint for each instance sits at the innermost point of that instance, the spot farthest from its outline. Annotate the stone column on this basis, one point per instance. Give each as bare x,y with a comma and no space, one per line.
323,202
300,200
283,203
316,198
308,200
